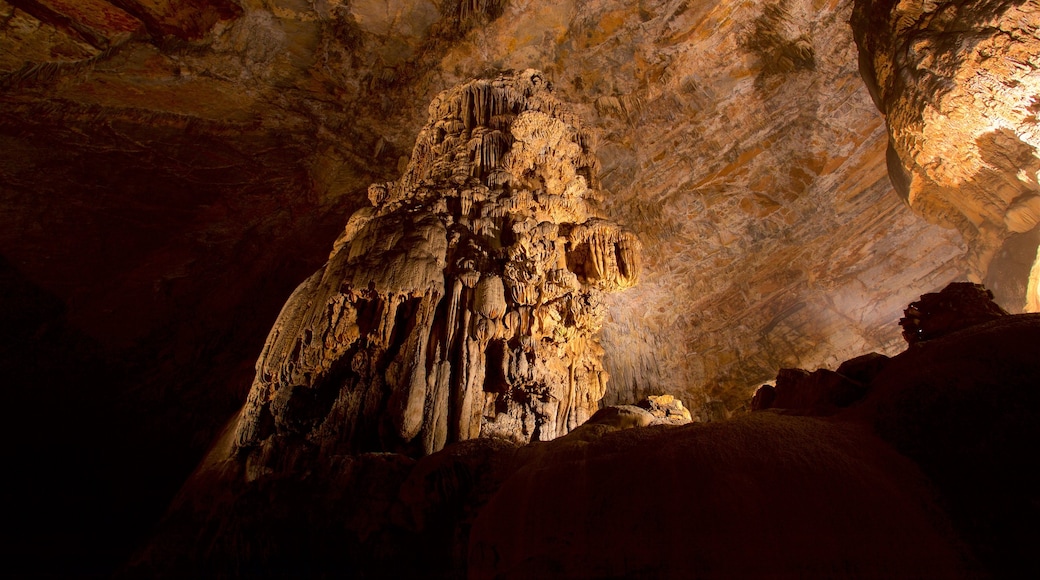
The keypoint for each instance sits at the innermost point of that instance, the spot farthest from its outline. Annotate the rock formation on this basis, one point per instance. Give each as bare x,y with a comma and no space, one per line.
666,409
465,302
959,84
925,474
170,171
733,499
959,305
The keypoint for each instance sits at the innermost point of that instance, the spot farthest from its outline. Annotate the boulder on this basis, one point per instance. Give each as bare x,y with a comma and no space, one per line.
666,409
959,305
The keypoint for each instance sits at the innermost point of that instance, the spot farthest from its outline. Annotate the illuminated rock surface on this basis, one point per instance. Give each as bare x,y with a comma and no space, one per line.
959,83
466,302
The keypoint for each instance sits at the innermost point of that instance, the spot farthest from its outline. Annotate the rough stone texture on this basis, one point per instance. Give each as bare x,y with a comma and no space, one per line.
370,515
465,302
959,305
959,84
863,368
821,392
738,140
763,398
166,193
666,409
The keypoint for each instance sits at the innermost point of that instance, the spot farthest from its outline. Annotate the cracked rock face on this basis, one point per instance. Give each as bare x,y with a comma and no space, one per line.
465,302
959,84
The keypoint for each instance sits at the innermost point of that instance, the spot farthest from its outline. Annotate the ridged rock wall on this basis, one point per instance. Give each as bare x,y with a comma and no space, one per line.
959,84
465,302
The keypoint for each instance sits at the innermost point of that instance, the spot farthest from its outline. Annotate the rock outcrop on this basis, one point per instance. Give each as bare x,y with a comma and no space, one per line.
966,408
666,409
170,172
959,305
959,84
465,302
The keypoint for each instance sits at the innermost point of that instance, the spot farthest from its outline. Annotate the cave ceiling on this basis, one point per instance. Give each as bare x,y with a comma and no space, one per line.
170,171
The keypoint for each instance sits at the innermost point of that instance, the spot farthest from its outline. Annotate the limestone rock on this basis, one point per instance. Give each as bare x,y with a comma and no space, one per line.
666,409
622,417
466,302
171,192
763,398
863,368
959,305
821,392
958,84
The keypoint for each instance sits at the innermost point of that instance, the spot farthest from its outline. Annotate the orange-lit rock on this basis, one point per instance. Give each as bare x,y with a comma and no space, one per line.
959,84
185,19
927,476
666,409
466,302
166,193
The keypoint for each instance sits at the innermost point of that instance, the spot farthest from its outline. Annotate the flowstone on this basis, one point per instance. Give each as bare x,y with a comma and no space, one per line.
465,302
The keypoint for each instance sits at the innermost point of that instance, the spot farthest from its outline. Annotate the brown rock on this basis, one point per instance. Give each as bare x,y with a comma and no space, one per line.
965,406
863,368
169,195
959,305
622,417
408,338
763,398
760,496
821,392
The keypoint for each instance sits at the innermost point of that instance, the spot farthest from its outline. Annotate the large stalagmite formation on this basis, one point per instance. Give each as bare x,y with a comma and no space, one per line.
959,84
464,302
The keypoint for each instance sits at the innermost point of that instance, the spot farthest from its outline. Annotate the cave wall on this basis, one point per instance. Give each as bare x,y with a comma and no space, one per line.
170,171
739,143
959,84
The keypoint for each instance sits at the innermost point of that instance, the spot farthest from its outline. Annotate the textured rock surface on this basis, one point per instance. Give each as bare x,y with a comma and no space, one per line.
167,178
666,409
959,83
965,407
959,305
465,302
738,140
